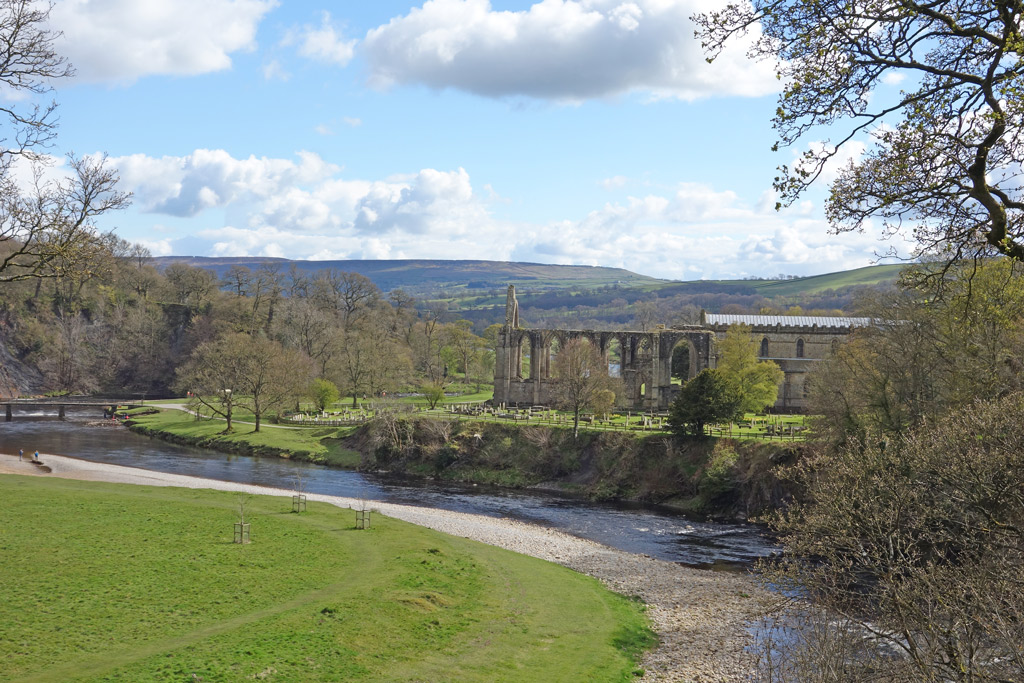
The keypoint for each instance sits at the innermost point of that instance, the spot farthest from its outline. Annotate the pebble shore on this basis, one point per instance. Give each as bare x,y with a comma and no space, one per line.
700,616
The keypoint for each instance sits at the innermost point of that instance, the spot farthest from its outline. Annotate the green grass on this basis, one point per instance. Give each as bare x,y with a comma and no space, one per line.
869,275
105,582
316,443
633,423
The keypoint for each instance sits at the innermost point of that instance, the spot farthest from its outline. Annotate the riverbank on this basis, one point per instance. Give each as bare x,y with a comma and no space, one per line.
700,616
715,478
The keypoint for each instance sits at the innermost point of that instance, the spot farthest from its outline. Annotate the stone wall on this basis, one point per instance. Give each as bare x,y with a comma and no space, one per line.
794,343
643,359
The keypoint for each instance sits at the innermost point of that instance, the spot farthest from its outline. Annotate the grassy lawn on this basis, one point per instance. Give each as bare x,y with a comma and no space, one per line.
129,583
759,427
317,441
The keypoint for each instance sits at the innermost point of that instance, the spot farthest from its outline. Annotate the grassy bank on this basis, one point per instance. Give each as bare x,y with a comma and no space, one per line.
313,444
129,583
716,476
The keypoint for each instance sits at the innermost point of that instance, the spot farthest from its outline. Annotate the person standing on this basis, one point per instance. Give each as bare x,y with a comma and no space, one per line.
35,458
21,454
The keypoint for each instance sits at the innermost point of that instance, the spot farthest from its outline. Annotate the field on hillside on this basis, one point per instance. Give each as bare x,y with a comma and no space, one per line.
131,583
871,275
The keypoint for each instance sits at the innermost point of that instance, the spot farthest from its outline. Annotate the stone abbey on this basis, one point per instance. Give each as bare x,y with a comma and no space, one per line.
643,360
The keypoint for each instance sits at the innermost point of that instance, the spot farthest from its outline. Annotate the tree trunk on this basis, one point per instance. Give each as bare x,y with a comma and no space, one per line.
576,424
257,422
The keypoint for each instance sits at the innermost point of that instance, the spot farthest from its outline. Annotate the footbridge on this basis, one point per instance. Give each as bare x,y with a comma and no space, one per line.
109,405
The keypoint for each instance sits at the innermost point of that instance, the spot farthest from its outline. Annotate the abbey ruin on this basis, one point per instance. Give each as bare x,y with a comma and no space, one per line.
643,359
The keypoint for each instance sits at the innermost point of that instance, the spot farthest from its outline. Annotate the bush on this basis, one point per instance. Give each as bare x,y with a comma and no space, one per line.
719,476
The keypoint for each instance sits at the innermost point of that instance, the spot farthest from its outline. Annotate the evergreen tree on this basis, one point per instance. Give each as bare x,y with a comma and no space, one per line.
705,399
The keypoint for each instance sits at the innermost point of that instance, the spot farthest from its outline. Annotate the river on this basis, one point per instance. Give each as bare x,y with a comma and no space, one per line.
650,530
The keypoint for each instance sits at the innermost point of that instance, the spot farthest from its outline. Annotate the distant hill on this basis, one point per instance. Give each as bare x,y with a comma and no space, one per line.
870,275
801,286
425,274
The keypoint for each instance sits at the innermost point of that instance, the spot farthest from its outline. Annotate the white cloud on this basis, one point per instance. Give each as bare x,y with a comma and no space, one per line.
273,71
305,208
563,50
851,152
352,121
614,183
185,186
124,40
163,247
305,196
699,232
322,43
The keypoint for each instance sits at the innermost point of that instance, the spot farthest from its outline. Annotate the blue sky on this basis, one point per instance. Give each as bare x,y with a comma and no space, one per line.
563,131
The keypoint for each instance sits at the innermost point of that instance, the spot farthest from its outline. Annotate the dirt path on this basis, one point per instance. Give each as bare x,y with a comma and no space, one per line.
700,616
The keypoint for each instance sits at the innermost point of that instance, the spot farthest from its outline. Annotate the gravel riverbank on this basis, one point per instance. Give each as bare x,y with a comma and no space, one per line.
699,615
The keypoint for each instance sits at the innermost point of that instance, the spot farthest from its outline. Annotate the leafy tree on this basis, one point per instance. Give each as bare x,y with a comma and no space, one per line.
945,150
581,379
434,393
680,367
324,393
925,355
754,381
704,400
603,402
466,347
428,345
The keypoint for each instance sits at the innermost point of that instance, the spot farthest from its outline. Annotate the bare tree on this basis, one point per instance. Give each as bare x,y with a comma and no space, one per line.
242,370
28,65
917,545
50,225
349,294
582,376
645,316
50,229
189,285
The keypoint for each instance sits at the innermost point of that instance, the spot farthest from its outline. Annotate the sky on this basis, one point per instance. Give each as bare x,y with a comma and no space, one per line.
587,132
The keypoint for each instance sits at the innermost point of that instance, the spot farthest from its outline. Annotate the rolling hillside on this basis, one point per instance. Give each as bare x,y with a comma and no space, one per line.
420,275
576,296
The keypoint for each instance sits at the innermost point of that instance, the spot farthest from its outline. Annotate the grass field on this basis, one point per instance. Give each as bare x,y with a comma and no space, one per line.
105,582
318,442
869,275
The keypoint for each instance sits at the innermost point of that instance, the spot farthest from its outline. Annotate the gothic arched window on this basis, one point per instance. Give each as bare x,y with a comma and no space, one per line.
799,348
764,347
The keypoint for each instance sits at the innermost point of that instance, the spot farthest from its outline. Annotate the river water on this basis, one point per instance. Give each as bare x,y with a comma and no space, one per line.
650,530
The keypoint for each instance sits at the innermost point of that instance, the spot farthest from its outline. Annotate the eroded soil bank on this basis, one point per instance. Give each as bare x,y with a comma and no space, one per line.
720,478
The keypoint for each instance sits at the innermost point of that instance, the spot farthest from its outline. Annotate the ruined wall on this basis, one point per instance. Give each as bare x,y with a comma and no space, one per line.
794,343
643,360
523,357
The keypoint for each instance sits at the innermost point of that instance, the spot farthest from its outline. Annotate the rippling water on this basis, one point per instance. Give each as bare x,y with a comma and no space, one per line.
650,530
